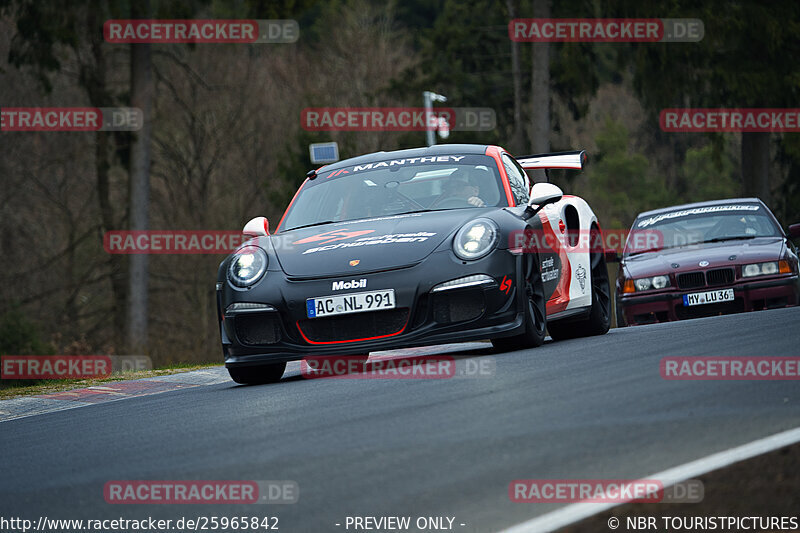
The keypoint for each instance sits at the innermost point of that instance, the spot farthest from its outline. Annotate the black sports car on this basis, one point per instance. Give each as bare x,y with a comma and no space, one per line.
409,248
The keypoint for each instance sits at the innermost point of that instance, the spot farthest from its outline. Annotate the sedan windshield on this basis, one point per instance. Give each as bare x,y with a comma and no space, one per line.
701,225
395,187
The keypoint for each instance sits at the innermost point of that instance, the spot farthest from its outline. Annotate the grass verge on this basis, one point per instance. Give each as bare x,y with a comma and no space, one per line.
18,388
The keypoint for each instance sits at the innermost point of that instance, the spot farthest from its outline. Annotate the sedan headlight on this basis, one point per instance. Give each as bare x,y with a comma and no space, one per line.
475,239
760,269
247,266
659,282
656,282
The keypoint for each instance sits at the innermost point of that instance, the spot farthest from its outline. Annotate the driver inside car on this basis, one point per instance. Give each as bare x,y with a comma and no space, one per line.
731,228
460,185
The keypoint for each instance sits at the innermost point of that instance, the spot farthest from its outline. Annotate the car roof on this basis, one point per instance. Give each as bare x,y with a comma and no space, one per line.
698,204
436,149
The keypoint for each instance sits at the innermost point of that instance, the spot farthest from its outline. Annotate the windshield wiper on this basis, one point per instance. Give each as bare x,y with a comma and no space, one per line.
311,225
738,238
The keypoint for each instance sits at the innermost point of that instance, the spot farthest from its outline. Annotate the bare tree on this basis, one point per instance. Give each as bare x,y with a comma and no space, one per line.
142,98
756,165
517,141
540,86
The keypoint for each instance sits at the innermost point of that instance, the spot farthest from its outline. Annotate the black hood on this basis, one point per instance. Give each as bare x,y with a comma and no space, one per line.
354,247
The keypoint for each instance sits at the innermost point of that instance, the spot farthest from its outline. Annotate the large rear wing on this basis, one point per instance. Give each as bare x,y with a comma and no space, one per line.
569,160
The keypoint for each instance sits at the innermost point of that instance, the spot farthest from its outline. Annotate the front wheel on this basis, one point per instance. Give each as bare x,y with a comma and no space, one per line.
535,316
599,319
255,375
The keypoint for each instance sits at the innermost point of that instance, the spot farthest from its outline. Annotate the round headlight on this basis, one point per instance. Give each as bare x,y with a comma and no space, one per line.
247,266
475,239
769,268
642,284
751,270
659,282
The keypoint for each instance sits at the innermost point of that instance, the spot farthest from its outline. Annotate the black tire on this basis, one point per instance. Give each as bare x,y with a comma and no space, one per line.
535,315
599,319
256,375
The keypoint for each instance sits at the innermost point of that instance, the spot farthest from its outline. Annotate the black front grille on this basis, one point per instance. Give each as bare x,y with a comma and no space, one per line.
257,328
356,326
720,276
457,305
700,311
691,280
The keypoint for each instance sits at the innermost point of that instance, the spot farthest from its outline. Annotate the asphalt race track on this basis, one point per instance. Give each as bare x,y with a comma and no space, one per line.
586,408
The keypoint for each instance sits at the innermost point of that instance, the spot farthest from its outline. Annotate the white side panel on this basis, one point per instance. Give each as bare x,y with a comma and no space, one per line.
580,283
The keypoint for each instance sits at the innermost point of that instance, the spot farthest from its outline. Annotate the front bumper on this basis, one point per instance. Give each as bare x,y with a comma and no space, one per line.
748,296
421,317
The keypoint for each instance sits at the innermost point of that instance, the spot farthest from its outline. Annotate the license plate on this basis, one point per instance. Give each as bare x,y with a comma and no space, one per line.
710,297
342,304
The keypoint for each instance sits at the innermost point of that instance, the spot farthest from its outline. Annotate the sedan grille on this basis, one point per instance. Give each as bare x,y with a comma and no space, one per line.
720,276
691,280
354,327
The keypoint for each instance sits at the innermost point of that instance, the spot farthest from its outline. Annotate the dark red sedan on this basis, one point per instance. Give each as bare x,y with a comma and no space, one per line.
706,259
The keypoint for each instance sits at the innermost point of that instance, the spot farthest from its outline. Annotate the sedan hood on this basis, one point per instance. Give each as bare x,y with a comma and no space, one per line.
718,254
354,247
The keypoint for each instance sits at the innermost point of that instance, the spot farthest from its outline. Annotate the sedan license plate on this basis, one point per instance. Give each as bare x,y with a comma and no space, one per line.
350,303
709,297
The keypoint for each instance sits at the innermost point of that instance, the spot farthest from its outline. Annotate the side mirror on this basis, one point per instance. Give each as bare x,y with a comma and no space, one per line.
542,194
545,193
257,227
794,230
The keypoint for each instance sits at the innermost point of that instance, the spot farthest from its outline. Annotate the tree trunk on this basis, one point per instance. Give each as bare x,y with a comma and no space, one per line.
755,165
540,86
142,98
93,78
517,142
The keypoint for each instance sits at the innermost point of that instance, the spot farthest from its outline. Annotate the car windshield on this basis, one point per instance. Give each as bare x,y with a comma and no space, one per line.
700,225
397,186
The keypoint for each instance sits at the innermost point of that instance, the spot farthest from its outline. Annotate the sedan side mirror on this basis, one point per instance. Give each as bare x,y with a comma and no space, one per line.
257,227
794,230
542,194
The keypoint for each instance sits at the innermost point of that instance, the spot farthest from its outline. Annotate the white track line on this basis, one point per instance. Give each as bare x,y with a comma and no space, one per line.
578,511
